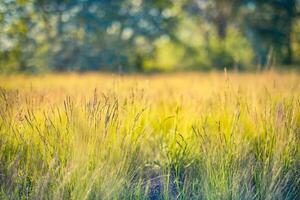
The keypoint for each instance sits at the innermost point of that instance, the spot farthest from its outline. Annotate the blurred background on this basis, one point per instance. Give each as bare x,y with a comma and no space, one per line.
39,36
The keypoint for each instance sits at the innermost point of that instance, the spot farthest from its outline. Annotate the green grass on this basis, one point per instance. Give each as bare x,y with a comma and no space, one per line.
181,136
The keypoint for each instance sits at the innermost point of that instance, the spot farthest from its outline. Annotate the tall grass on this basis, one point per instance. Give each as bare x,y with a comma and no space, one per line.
183,136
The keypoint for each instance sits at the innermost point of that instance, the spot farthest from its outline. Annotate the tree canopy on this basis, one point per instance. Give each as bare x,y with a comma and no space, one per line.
140,35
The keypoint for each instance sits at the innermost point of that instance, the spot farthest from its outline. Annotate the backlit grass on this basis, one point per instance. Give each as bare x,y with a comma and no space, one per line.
179,136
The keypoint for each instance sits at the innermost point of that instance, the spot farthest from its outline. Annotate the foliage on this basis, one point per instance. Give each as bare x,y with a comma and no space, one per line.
129,35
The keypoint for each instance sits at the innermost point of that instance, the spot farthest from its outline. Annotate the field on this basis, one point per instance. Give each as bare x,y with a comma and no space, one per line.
177,136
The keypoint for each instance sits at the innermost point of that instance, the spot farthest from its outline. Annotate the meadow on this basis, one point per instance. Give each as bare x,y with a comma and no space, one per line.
177,136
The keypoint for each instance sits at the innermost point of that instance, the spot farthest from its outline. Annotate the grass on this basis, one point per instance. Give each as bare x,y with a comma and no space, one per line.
179,136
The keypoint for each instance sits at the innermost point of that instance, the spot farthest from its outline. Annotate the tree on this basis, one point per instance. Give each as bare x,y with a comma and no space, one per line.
218,12
15,23
271,25
90,34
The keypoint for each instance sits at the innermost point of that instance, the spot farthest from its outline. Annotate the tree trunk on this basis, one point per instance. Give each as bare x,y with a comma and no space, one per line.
221,22
289,54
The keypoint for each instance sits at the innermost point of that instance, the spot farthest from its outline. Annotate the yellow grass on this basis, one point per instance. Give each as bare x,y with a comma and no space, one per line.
176,136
